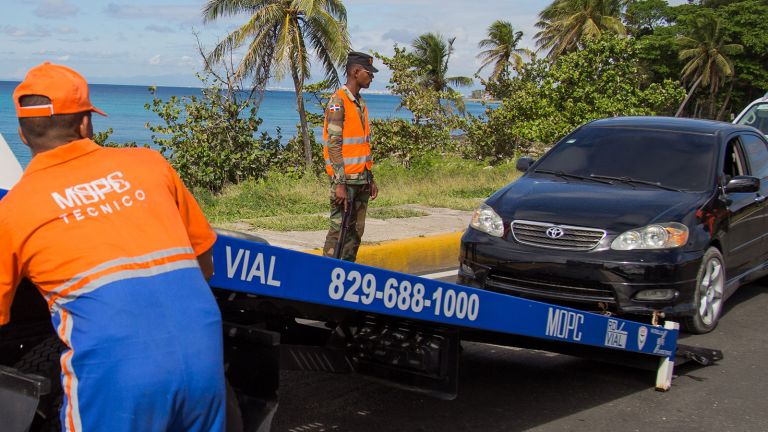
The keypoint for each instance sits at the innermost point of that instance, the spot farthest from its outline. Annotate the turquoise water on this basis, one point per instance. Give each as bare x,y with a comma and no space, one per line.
127,115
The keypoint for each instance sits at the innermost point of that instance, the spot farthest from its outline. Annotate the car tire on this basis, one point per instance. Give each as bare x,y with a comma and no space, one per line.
708,298
43,360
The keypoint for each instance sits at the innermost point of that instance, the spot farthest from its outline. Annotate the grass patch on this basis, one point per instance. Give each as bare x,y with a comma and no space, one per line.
290,223
394,213
282,202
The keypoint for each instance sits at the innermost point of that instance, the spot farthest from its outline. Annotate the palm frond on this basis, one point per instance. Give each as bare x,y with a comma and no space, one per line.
732,49
564,23
330,41
460,81
306,7
215,9
337,9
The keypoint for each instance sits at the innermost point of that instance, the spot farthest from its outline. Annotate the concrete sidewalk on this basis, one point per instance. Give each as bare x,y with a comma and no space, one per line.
409,245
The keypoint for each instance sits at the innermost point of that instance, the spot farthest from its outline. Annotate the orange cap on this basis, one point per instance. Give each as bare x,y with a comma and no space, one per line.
67,90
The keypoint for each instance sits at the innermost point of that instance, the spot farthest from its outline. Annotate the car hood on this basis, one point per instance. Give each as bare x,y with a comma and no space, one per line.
615,208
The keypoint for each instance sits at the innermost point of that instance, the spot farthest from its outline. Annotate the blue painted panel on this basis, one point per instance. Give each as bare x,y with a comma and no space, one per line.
2,193
271,271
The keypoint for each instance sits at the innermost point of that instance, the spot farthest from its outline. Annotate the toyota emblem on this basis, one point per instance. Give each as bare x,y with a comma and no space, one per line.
555,232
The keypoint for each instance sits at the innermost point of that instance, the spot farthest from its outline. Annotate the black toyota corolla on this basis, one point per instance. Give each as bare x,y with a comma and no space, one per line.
640,215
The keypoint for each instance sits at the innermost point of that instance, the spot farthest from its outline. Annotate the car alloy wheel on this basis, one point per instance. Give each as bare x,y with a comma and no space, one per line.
708,299
711,292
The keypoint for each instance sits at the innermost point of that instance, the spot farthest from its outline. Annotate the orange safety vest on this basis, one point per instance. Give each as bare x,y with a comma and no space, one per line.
356,139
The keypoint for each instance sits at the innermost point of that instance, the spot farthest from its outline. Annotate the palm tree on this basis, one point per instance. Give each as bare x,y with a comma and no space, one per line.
432,54
706,51
277,36
564,23
502,49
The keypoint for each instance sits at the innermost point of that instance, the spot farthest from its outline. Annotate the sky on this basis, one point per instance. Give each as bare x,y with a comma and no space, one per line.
152,42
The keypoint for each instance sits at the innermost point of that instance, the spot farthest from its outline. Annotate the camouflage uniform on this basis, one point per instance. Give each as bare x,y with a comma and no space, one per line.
358,185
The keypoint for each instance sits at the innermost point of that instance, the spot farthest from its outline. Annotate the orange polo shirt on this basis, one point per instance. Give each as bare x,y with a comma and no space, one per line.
83,213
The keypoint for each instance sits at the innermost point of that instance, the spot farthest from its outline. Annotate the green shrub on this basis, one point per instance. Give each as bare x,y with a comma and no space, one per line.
548,100
402,140
213,140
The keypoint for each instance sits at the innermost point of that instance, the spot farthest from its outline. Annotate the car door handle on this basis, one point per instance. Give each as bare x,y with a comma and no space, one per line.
760,198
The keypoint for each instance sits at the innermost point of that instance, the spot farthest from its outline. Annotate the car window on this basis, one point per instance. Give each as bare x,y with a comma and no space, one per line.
734,164
756,116
757,155
676,159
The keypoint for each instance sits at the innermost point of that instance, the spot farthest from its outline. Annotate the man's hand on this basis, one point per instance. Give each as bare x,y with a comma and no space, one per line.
374,191
341,196
206,263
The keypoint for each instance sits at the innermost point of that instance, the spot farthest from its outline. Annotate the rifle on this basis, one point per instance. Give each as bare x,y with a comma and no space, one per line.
344,227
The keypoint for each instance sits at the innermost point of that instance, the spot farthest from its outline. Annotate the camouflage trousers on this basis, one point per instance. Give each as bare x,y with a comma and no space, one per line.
358,196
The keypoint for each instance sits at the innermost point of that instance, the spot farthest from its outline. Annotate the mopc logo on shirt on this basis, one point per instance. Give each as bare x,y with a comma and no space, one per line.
102,196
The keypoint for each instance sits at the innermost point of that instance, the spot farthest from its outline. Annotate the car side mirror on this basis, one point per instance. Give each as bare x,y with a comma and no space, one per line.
743,184
524,163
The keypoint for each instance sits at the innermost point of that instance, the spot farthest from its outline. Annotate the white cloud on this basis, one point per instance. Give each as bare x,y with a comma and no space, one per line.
402,36
185,13
66,30
16,32
186,61
159,29
155,60
82,55
56,9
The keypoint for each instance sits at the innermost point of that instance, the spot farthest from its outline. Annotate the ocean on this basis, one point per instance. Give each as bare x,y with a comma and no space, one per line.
127,115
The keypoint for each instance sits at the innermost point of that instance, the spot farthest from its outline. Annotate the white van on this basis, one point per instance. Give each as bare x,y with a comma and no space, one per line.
755,115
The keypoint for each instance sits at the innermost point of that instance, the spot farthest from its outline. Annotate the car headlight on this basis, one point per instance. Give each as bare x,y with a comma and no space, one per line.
656,236
486,220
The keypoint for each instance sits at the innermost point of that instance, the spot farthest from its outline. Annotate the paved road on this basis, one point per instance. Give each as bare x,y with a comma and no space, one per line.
508,389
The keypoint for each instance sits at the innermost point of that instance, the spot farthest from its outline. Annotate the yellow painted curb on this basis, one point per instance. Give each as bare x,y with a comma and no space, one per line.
411,255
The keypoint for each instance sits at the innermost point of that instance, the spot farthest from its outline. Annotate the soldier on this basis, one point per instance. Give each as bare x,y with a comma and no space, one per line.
347,153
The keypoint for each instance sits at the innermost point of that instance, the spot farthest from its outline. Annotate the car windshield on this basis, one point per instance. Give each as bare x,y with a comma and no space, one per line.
675,160
756,116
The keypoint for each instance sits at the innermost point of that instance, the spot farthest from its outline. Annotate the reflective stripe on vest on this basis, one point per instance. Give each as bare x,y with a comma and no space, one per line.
362,140
352,161
356,139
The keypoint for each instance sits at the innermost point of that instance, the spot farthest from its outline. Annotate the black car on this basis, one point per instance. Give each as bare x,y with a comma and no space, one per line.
634,215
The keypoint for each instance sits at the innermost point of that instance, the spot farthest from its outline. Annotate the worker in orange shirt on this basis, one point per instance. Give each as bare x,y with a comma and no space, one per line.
121,252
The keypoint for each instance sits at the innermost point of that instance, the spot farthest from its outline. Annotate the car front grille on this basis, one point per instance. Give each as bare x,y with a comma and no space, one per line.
570,237
570,290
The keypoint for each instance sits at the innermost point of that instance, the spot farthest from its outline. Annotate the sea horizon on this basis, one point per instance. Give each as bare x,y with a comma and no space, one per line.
124,104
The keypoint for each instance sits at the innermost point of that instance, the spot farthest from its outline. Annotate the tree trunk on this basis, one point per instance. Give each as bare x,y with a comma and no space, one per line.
725,104
299,86
688,97
712,102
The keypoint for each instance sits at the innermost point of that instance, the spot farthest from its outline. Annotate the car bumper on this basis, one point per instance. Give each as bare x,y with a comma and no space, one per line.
599,279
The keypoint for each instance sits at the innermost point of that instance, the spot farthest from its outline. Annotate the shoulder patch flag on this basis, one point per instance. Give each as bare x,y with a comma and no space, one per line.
334,108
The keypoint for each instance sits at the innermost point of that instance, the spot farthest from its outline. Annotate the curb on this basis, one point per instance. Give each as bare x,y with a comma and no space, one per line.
411,255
